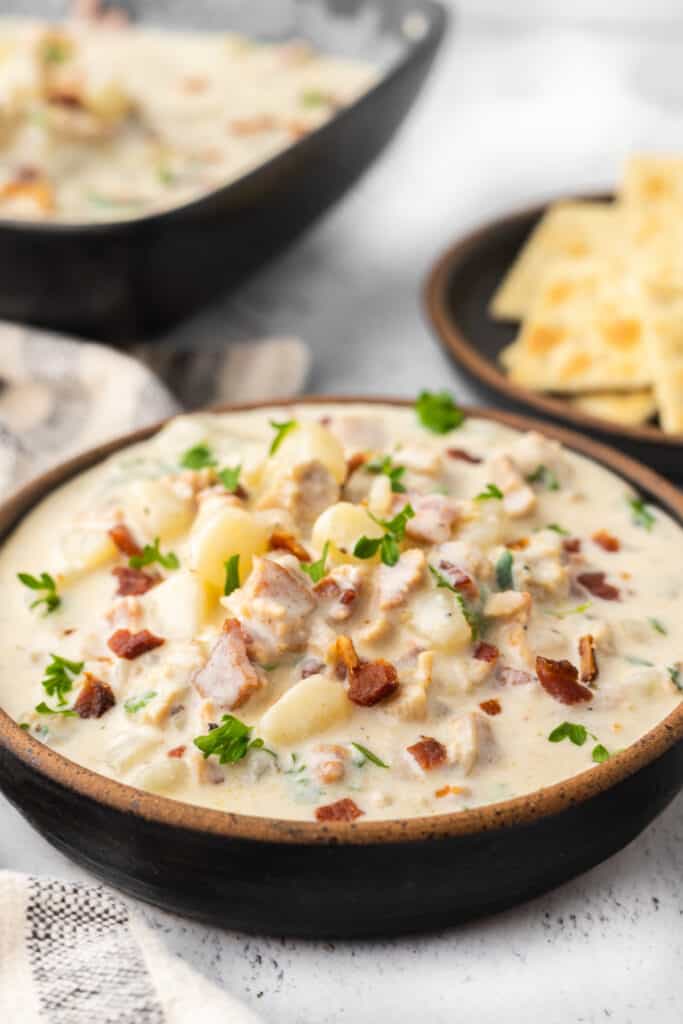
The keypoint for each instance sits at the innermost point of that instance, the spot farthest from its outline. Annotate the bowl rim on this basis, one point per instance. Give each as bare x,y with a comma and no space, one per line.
462,348
437,21
520,810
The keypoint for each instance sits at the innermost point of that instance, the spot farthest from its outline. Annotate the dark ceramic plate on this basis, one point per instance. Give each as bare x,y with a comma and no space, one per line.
116,281
457,296
362,878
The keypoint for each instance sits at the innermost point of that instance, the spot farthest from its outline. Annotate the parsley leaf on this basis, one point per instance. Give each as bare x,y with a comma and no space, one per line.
315,98
134,704
369,756
564,612
600,754
388,545
641,514
230,478
232,574
545,476
198,457
230,742
438,412
558,529
577,734
386,466
316,570
281,431
472,617
43,709
491,491
676,676
50,598
58,677
658,626
504,577
150,554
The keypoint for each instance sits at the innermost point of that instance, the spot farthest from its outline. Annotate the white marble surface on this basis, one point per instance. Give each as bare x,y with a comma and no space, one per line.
516,109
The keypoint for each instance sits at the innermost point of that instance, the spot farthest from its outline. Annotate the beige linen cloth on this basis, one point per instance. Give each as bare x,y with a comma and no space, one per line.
78,954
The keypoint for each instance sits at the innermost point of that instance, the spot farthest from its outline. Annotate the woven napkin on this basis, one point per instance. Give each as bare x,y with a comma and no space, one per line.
74,954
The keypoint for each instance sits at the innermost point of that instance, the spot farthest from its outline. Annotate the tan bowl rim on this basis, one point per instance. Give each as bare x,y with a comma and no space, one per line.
521,810
463,350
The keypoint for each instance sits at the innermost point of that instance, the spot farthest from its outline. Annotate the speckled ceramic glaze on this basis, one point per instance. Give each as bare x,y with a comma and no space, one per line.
362,878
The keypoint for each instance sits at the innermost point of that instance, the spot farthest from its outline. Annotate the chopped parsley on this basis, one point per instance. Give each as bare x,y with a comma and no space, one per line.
232,574
151,554
504,577
198,457
134,704
489,493
59,676
230,741
632,659
558,529
600,754
315,98
316,570
658,626
471,616
281,431
56,51
640,513
369,756
43,709
564,612
44,582
437,411
386,466
230,478
388,545
546,477
578,734
295,768
676,676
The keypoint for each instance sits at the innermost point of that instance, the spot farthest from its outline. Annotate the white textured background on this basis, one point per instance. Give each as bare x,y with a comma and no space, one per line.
529,99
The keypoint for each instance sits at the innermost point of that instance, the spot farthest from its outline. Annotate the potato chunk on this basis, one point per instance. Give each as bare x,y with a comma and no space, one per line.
342,525
157,510
228,531
179,606
437,616
84,549
309,708
310,442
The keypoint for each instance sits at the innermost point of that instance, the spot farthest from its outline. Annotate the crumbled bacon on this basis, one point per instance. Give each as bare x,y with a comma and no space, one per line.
451,791
589,665
354,462
595,584
341,810
486,652
428,753
134,581
124,540
177,752
340,589
491,707
372,682
95,698
460,453
560,679
129,645
280,540
572,545
463,582
606,540
513,676
518,545
253,125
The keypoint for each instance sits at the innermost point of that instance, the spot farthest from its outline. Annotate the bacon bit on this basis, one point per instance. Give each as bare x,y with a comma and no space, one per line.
455,790
595,584
124,540
486,652
253,125
134,581
560,680
518,545
40,191
589,665
177,752
194,84
95,698
372,682
460,453
491,707
327,588
25,173
345,653
513,676
428,753
342,810
69,631
572,545
355,462
458,578
606,540
129,645
325,421
280,540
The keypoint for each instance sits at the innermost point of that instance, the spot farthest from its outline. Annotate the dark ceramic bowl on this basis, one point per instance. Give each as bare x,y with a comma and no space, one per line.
122,280
363,878
457,296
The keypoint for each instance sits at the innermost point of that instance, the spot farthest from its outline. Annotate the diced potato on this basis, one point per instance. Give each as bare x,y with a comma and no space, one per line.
437,616
157,510
310,442
110,103
161,776
179,606
309,708
128,749
227,531
84,549
342,525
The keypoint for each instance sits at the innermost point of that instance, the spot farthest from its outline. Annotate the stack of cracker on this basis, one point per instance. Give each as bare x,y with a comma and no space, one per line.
598,289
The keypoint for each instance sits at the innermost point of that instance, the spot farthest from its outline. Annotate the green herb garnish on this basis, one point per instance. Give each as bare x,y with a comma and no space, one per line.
471,616
578,610
658,626
545,476
577,734
504,577
134,704
632,659
295,768
437,411
43,709
230,478
59,676
315,98
50,598
676,676
388,545
198,457
232,574
56,51
369,756
641,514
600,754
316,570
489,493
150,554
230,742
558,529
386,466
281,431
